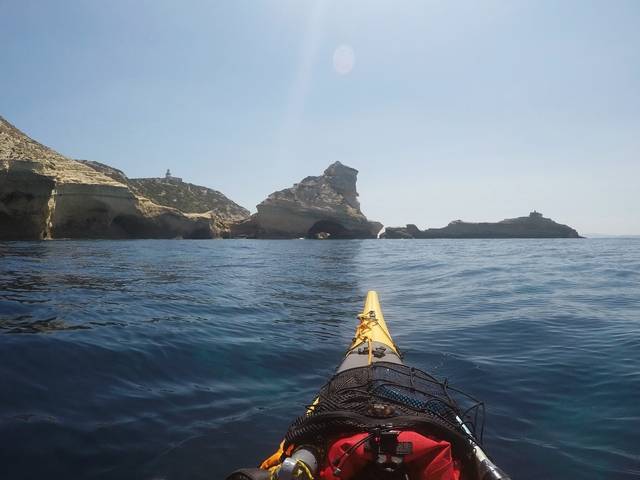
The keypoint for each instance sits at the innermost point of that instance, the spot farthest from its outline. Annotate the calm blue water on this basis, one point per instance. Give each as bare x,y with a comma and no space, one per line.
187,359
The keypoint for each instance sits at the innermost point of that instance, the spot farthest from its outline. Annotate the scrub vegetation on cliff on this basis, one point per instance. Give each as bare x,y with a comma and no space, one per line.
173,192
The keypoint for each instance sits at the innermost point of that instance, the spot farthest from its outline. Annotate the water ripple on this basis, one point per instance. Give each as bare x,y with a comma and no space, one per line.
172,359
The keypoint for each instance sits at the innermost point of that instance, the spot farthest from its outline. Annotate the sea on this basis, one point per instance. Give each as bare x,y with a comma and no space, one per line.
155,359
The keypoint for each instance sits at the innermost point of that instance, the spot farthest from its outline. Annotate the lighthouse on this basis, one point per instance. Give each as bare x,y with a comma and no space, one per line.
170,178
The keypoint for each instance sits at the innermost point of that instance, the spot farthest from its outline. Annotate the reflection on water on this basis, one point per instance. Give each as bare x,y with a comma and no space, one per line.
186,359
26,324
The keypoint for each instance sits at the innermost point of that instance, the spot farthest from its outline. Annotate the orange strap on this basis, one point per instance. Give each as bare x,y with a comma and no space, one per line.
274,459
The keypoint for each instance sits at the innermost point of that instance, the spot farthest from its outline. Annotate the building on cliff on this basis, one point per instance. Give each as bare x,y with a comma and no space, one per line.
170,178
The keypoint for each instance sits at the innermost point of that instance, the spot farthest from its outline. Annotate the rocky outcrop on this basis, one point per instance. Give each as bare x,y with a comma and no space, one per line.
318,207
533,226
46,195
173,192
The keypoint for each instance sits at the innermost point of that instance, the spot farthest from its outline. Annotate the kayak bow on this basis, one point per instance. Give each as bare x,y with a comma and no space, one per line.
372,327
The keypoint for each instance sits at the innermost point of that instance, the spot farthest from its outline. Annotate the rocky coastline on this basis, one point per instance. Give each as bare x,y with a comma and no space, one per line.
45,195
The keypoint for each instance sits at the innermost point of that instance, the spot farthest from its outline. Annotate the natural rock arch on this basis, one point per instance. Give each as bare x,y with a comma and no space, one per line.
332,228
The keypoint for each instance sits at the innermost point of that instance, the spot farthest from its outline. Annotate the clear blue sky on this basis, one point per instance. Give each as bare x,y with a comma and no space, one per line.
477,110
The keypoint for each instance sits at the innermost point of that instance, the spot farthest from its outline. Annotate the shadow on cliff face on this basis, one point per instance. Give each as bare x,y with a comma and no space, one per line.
328,229
24,208
165,226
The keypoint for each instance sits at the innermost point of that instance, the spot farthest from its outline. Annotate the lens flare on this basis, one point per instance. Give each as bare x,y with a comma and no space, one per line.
343,59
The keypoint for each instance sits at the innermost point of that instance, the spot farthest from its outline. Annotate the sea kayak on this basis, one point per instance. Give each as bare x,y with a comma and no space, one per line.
378,418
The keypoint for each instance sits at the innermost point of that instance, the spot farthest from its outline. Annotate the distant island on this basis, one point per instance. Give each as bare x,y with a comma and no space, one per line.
45,195
533,226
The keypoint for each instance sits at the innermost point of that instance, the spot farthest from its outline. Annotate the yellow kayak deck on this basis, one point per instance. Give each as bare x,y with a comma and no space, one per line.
372,342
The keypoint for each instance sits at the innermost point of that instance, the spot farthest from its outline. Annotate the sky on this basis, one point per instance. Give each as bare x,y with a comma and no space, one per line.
472,110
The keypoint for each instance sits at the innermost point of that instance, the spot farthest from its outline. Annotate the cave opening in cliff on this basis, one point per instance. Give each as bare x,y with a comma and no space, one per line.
327,229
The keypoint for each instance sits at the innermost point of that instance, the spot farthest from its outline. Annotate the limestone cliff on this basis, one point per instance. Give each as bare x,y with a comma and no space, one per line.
325,206
46,195
533,226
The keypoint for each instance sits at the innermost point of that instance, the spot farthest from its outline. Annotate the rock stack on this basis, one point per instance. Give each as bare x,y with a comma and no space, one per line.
323,207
